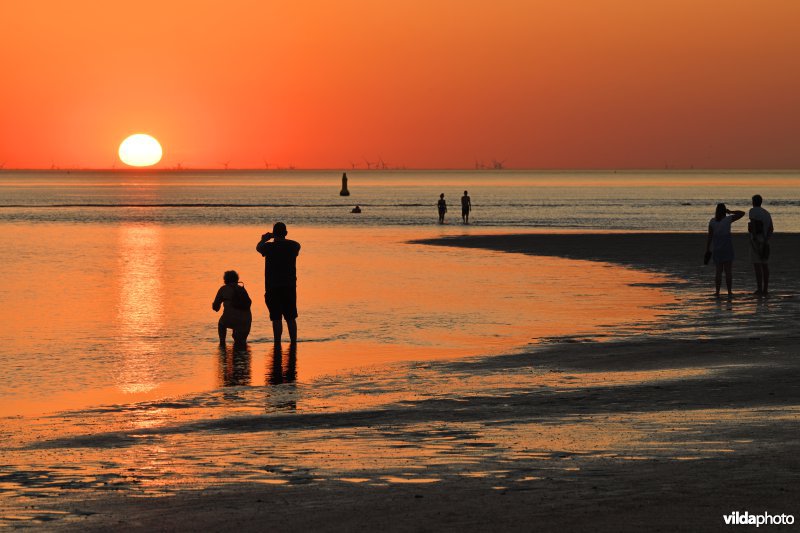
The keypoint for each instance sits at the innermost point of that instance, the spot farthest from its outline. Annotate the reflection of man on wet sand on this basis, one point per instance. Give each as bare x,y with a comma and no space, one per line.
282,371
280,279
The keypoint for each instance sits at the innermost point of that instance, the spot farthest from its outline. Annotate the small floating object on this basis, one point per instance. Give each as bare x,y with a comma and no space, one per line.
356,209
344,191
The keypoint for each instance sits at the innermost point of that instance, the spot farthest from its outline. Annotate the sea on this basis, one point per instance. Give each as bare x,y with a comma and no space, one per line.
623,200
107,277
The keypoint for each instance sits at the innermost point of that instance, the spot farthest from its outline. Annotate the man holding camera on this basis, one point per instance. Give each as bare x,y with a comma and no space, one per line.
280,279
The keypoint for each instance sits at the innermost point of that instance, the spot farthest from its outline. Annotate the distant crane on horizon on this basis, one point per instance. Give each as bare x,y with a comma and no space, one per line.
498,165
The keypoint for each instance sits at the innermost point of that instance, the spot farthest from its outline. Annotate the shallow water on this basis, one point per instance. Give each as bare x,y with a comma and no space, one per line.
108,315
117,314
600,200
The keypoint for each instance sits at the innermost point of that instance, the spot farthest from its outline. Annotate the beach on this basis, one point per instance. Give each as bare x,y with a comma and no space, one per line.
664,429
418,266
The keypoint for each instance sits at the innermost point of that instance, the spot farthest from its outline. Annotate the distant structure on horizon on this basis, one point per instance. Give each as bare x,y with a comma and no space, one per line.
344,191
495,165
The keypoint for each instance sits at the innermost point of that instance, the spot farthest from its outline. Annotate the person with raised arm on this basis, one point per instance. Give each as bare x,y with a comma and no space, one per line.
720,244
280,279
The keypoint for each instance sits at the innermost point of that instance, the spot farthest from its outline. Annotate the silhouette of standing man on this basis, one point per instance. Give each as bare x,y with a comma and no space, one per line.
280,280
760,229
442,205
466,207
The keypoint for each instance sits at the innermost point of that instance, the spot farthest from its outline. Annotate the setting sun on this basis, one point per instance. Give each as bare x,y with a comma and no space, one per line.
140,150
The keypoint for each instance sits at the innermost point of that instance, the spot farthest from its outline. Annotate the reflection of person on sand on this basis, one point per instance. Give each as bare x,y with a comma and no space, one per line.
280,279
760,229
280,373
720,244
356,209
442,206
466,207
234,366
236,313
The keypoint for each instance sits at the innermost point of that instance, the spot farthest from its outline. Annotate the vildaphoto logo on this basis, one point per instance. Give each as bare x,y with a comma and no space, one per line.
765,519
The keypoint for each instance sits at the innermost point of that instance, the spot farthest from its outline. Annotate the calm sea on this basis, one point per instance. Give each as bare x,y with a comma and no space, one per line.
662,201
107,279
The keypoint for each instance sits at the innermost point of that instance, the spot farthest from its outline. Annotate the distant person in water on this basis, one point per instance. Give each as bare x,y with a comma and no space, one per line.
760,229
442,206
236,313
280,279
720,244
356,209
466,207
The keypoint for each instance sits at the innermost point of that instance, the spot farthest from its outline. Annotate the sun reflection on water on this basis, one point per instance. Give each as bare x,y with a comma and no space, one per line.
140,314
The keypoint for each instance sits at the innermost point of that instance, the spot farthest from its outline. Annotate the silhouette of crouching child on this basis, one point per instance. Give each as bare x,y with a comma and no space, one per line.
236,315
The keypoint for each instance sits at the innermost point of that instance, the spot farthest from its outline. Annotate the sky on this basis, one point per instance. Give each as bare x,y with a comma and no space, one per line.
574,84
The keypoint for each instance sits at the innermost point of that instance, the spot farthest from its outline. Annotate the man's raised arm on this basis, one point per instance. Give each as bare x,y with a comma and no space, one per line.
264,239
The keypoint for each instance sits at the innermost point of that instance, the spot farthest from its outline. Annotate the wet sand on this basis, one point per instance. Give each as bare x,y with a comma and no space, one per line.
662,431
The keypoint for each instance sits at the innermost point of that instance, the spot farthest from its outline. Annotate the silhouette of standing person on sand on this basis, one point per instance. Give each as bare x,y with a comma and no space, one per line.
280,280
760,229
720,244
466,207
236,313
442,206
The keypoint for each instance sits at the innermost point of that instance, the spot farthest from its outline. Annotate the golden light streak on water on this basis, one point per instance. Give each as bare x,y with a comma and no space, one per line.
140,313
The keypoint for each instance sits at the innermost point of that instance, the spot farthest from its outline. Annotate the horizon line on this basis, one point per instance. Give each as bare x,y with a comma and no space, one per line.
406,169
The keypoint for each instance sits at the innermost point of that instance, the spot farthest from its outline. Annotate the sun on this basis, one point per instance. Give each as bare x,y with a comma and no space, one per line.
140,150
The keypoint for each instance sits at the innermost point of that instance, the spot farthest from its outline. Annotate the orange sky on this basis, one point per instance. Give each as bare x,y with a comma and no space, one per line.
418,83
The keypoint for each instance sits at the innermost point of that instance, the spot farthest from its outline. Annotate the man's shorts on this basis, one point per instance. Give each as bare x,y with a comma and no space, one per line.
464,211
281,302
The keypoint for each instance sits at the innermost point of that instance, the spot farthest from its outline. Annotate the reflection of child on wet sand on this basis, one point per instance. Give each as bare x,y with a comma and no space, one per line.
236,309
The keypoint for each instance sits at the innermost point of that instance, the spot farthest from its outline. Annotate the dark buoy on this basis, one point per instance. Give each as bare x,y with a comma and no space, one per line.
344,191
